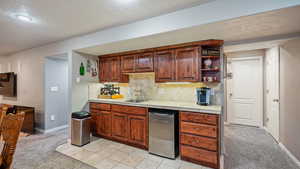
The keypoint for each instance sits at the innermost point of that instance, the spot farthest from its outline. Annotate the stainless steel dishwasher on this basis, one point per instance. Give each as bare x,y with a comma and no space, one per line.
163,133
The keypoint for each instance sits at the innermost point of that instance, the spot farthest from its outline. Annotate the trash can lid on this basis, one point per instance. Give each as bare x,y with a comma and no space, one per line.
80,115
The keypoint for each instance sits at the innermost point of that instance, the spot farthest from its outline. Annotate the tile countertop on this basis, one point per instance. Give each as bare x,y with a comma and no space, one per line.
172,105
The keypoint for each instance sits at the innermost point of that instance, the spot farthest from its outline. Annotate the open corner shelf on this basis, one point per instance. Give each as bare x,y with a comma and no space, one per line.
210,73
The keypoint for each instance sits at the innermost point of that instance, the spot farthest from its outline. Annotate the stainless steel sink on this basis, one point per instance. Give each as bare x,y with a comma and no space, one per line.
134,101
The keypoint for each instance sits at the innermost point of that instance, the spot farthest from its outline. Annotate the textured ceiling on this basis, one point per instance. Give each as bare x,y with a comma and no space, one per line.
269,24
56,20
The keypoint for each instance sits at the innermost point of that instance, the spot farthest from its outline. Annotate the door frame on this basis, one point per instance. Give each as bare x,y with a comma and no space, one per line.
62,57
261,89
277,125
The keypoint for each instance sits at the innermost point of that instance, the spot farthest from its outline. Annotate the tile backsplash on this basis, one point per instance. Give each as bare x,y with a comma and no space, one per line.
143,86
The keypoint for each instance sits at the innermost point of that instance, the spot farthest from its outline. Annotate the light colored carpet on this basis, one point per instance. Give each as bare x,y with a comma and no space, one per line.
38,152
253,148
246,148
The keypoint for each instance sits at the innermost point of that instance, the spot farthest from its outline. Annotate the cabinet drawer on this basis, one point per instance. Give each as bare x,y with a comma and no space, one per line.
129,109
200,155
100,106
199,118
198,141
198,129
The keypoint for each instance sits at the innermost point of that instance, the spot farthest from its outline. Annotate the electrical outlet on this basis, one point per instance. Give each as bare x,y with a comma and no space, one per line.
52,117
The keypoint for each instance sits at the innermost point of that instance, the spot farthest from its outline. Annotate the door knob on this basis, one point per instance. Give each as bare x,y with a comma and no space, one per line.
276,100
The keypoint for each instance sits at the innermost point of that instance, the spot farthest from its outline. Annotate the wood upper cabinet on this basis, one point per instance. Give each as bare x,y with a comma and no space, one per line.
128,63
165,66
104,67
110,70
115,65
187,64
119,126
104,120
179,62
144,62
137,130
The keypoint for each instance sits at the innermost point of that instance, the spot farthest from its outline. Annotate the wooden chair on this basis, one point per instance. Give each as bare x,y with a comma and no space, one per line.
3,111
10,129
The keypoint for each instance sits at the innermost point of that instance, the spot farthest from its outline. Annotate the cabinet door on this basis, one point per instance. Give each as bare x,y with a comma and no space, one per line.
119,126
137,130
104,67
93,121
187,64
165,66
127,63
101,70
104,123
144,62
115,73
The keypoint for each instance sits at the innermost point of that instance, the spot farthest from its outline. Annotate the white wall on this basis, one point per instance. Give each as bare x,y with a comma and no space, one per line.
30,75
80,90
56,102
290,96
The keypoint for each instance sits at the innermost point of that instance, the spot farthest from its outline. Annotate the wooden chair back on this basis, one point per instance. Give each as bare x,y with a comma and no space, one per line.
11,126
3,111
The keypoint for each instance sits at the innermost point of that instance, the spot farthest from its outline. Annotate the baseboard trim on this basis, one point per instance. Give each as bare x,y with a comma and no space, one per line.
51,130
39,130
226,123
222,162
289,154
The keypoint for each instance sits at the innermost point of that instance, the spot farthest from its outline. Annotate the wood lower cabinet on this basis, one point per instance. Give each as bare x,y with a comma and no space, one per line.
199,132
199,138
126,124
93,123
129,110
165,66
199,118
199,142
138,130
202,156
199,129
104,120
119,126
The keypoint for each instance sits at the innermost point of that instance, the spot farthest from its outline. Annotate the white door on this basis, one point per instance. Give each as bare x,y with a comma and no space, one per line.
272,92
245,91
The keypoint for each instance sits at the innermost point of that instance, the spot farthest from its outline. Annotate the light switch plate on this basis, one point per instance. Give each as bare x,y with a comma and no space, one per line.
54,88
78,79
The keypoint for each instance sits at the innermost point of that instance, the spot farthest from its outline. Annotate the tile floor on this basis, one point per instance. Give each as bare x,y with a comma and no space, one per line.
106,154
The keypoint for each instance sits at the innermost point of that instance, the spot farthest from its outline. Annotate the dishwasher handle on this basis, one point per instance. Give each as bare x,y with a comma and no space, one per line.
161,114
